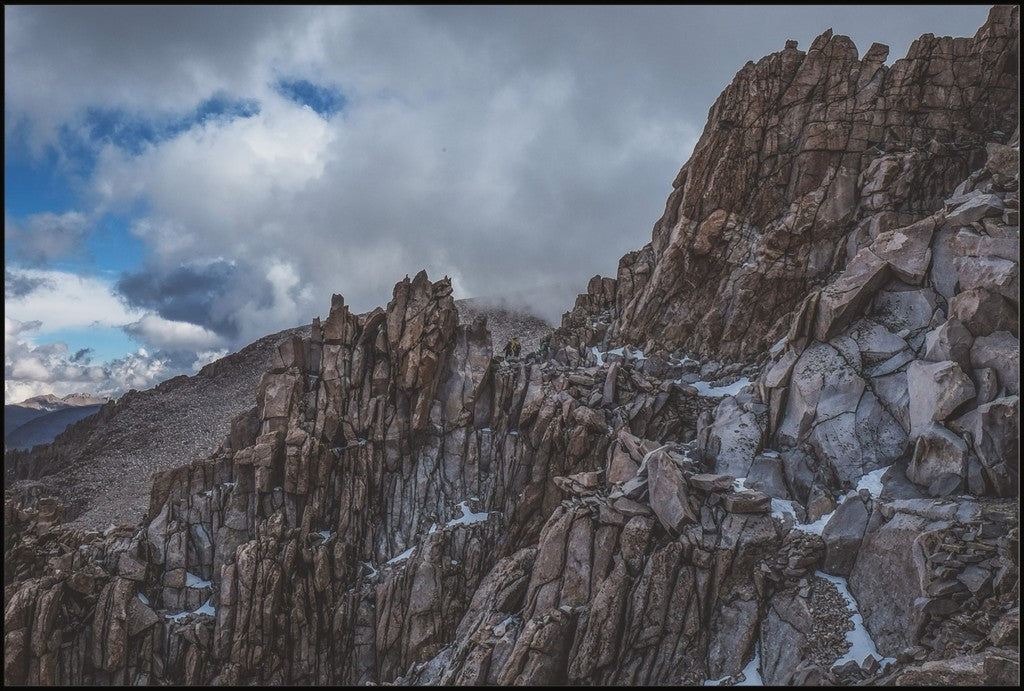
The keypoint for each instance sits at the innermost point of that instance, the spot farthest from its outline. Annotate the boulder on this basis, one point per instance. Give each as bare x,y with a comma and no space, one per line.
668,493
750,501
732,439
1000,276
907,250
767,474
949,341
983,312
842,299
936,390
976,207
993,429
939,457
843,534
999,351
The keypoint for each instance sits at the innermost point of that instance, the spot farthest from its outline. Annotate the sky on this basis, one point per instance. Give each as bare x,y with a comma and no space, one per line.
180,181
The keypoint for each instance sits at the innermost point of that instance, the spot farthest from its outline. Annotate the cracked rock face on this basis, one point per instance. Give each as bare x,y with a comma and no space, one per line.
829,495
806,158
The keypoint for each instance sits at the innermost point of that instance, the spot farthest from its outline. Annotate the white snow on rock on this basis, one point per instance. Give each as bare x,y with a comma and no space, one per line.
783,508
752,672
205,608
373,571
861,644
143,599
467,517
324,534
194,581
401,557
599,355
872,482
705,389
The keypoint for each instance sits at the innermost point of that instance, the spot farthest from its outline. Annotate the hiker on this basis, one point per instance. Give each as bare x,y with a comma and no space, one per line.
509,349
516,348
545,345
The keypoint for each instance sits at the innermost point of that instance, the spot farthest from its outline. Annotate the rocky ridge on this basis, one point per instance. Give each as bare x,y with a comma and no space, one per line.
102,466
401,506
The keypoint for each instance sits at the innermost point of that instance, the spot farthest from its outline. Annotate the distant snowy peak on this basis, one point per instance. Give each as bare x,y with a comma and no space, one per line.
51,402
80,399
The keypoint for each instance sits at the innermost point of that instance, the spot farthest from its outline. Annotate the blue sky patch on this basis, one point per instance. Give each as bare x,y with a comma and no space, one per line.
324,100
132,132
103,343
34,186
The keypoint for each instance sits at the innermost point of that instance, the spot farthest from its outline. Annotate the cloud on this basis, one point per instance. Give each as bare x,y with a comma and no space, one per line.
64,300
201,294
271,156
32,369
46,236
18,285
164,334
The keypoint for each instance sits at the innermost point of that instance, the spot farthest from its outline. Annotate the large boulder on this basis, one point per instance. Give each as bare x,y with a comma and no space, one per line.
937,390
999,351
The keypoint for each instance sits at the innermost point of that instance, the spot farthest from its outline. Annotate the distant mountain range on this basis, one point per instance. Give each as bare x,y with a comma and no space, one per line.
39,419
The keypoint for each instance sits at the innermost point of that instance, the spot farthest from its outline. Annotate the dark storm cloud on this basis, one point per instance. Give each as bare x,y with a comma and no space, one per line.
196,294
20,285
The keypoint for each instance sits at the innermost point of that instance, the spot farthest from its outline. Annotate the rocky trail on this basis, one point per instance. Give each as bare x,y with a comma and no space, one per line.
779,447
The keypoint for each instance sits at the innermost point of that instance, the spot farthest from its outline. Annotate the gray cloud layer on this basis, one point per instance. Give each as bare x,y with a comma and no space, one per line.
509,147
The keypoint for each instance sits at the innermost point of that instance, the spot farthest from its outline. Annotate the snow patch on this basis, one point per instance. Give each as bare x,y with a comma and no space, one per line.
705,389
467,517
401,557
373,571
752,672
143,599
599,355
324,534
205,608
194,581
819,525
872,482
861,644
